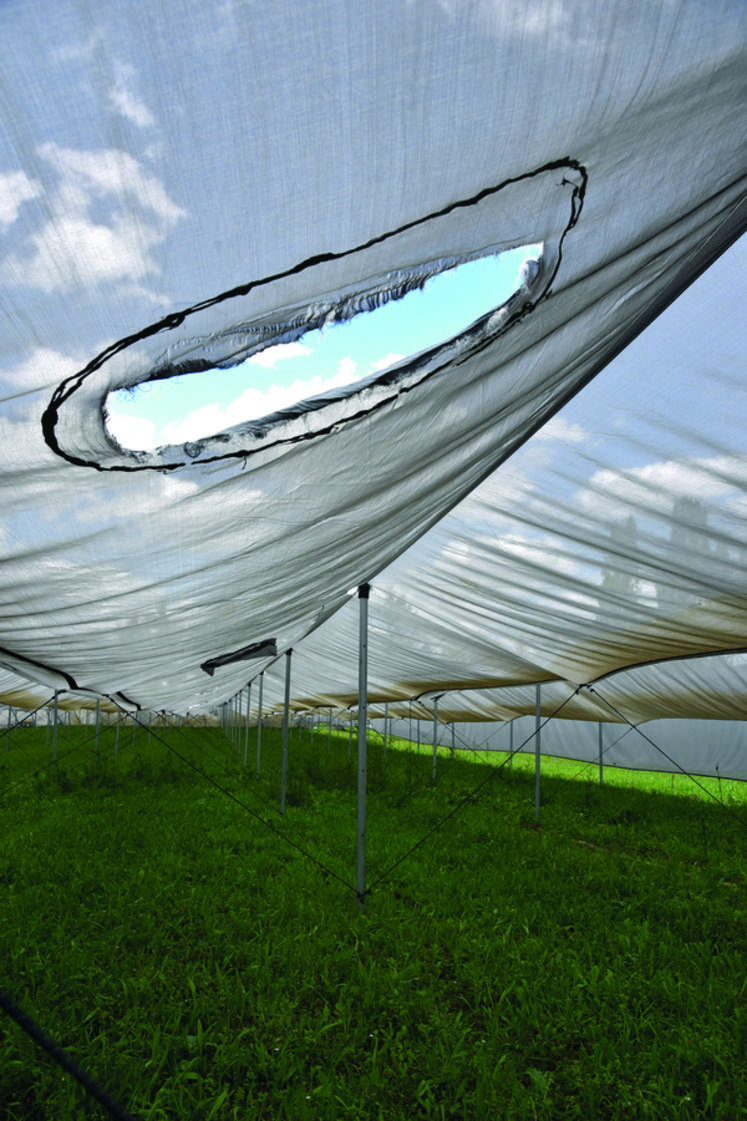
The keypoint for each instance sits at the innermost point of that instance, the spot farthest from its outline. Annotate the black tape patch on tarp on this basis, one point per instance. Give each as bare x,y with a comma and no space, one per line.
268,648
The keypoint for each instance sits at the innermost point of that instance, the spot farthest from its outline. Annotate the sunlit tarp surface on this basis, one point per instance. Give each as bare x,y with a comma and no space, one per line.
180,191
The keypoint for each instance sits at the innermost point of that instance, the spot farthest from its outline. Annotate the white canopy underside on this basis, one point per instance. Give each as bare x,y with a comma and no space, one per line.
179,189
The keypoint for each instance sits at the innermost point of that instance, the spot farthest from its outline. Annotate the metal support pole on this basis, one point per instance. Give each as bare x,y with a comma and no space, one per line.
246,730
98,725
601,751
453,744
259,720
537,747
286,712
329,737
134,729
10,724
435,738
360,871
350,734
54,734
116,734
511,746
386,724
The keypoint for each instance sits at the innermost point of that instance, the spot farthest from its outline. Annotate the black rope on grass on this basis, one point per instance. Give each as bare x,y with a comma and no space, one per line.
468,797
249,810
674,762
56,1052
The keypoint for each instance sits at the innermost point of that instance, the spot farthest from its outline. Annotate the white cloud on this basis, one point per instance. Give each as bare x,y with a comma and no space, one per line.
205,421
15,189
656,485
44,367
134,215
385,362
125,101
109,172
135,433
557,428
525,17
122,96
151,495
346,367
270,357
544,552
77,250
80,52
253,404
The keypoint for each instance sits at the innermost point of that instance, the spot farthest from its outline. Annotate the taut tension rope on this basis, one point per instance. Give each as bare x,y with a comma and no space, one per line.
679,767
468,797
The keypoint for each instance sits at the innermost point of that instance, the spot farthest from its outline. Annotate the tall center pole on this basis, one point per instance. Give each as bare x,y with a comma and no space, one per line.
286,711
259,721
360,871
54,733
537,751
601,753
246,730
435,738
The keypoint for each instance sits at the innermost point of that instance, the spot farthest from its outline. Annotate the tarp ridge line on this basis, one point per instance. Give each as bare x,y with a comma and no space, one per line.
42,665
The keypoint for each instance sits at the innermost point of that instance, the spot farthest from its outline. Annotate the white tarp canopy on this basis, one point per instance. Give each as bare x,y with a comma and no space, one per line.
180,189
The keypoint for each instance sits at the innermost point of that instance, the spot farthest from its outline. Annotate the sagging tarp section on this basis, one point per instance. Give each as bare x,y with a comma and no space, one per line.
613,541
177,195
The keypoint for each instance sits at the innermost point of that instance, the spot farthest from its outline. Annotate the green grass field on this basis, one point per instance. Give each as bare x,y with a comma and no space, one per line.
202,967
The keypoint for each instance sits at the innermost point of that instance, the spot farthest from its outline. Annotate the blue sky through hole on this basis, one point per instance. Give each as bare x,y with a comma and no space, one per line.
197,405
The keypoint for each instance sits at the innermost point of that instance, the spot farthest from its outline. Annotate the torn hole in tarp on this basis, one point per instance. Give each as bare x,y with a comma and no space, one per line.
539,207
